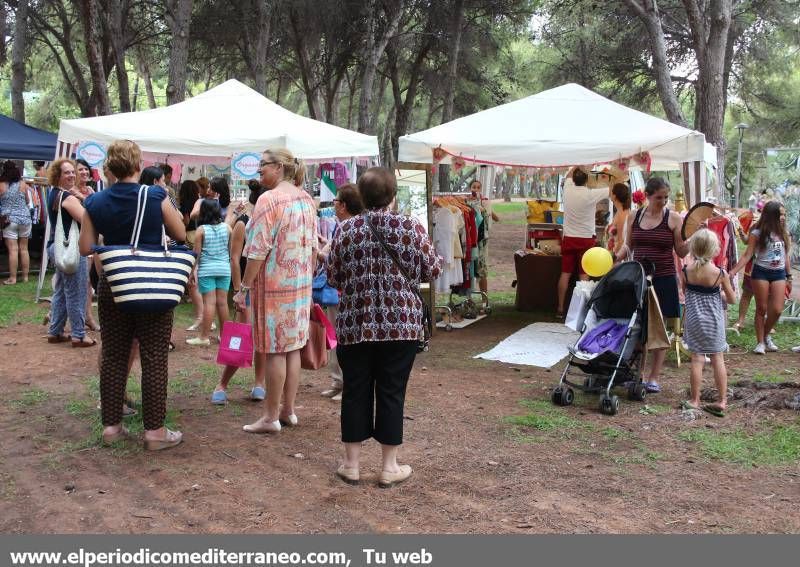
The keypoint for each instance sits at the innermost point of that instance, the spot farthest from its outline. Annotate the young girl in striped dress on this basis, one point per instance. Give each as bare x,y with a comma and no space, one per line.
212,271
704,327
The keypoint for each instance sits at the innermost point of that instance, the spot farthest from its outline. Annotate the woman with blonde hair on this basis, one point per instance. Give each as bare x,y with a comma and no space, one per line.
112,214
281,250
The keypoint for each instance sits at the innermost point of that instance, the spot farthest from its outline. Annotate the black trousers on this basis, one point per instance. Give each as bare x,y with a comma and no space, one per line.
375,376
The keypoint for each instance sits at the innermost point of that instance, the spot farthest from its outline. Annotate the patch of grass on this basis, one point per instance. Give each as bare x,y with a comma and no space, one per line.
31,398
514,213
8,487
497,298
17,302
776,445
772,378
543,416
613,433
654,409
85,409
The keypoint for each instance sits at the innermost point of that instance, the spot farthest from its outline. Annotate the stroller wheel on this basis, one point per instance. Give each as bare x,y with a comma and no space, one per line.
567,397
637,392
557,396
609,405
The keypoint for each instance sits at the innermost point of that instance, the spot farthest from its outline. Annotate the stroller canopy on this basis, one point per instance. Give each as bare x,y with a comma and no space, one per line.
620,292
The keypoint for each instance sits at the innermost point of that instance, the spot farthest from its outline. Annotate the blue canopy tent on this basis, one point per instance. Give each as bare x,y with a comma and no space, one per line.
19,141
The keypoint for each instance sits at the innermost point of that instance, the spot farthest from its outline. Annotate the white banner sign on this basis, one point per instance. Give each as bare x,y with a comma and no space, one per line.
93,152
245,165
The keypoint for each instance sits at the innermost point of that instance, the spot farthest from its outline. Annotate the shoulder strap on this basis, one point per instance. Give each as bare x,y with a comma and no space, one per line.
393,255
139,219
638,216
719,277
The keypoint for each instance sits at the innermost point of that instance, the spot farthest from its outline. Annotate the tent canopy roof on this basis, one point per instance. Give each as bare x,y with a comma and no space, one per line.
567,125
20,141
227,119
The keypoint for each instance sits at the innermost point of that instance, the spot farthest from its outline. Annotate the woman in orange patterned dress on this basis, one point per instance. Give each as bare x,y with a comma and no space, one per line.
281,251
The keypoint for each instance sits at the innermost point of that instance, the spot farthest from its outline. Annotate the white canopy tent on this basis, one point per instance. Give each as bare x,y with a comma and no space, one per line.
227,119
564,126
213,126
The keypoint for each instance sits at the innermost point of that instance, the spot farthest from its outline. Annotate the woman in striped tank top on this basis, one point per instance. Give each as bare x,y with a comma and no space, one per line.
654,232
213,268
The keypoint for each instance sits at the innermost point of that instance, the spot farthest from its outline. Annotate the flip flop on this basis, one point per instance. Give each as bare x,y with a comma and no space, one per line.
686,406
258,394
9,282
714,410
83,343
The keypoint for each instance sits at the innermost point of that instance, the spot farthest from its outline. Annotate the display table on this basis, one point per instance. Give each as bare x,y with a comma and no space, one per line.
537,282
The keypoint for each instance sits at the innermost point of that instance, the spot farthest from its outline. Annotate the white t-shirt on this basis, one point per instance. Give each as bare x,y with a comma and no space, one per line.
773,257
580,204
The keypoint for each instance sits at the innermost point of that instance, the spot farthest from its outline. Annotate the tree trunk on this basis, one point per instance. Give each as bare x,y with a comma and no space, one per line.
89,13
115,14
3,34
404,107
144,71
456,33
647,11
18,61
179,17
257,27
710,32
373,52
299,44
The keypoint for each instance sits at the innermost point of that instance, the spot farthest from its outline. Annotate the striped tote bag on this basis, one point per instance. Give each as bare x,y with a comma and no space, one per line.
146,279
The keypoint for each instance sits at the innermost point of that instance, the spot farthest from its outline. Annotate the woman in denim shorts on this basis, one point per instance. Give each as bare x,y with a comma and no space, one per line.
768,245
14,207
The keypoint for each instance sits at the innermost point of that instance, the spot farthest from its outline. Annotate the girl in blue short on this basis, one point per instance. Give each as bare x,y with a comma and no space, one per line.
769,246
212,271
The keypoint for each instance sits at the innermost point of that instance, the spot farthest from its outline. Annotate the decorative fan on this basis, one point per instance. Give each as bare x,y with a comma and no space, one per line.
696,216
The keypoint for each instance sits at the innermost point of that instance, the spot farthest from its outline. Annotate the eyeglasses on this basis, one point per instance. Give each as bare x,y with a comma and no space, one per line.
262,163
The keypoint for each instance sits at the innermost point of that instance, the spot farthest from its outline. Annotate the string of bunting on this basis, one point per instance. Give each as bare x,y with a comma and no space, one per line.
621,164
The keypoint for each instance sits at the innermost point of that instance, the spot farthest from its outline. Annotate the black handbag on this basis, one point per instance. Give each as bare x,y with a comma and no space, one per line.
427,323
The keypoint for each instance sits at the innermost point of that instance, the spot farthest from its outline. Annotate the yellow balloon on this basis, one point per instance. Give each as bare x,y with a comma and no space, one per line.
597,262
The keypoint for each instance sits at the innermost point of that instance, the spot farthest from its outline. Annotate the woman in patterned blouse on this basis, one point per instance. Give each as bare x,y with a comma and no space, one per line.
379,322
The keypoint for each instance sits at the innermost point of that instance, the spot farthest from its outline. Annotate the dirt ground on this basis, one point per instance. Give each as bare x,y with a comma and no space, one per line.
566,470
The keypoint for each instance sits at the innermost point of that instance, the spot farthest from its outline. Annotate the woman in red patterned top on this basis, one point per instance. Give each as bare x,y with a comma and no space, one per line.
653,233
379,322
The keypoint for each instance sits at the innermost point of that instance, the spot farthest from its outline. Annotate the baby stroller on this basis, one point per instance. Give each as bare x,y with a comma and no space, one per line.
609,350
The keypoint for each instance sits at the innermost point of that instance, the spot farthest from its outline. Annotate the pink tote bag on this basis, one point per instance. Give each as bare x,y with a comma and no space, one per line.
236,345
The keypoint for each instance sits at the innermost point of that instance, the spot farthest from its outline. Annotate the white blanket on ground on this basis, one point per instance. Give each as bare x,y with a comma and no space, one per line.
539,344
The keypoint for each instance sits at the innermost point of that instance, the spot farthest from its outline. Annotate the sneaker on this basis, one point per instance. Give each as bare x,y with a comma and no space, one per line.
652,387
770,344
337,397
197,341
194,326
760,349
796,348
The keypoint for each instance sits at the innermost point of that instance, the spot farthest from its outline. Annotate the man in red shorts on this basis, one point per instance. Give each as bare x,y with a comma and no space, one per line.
580,204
